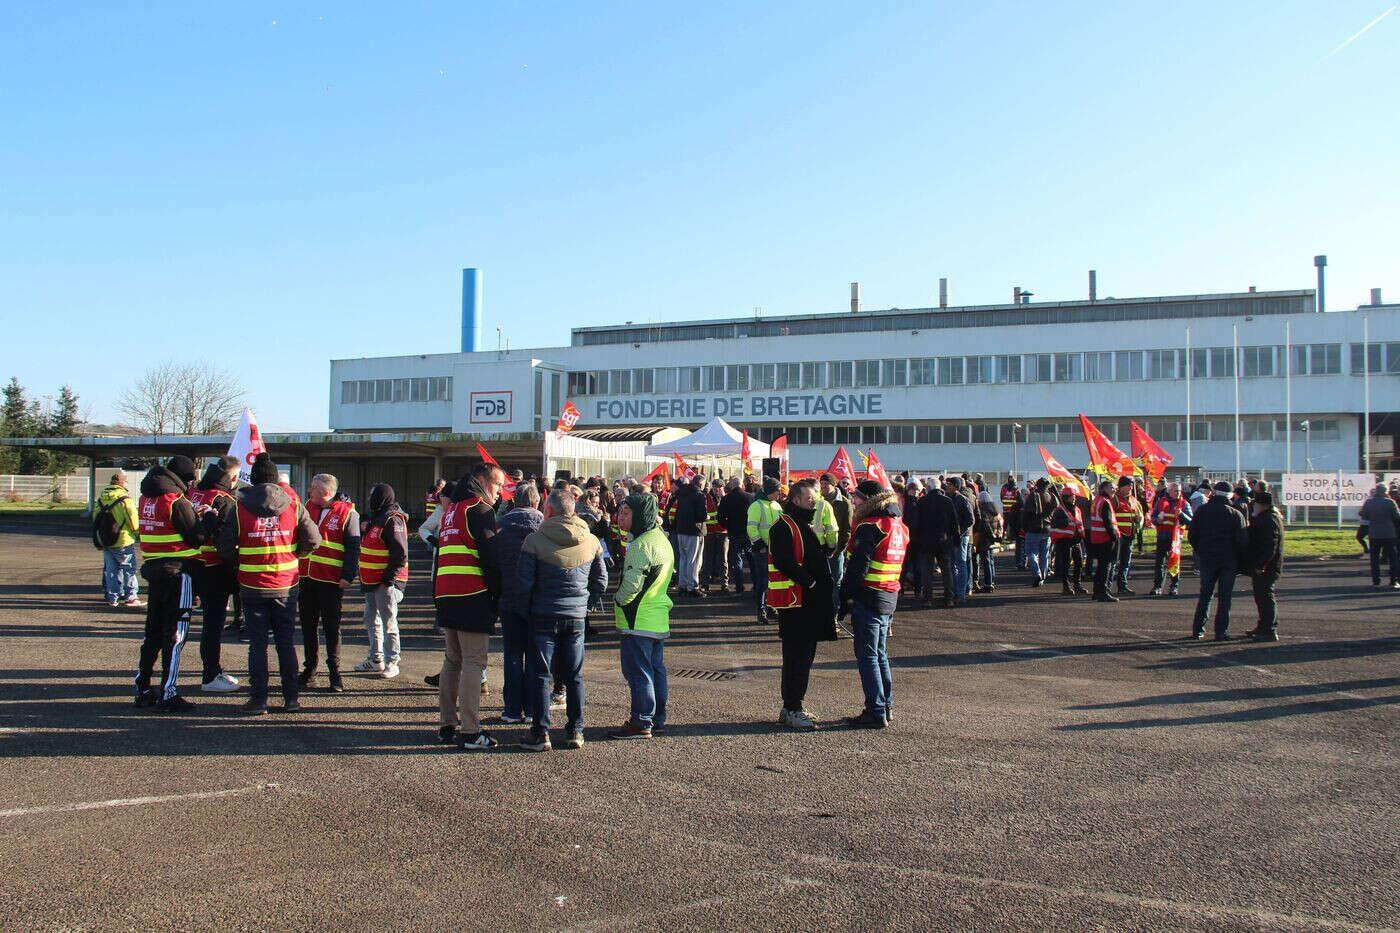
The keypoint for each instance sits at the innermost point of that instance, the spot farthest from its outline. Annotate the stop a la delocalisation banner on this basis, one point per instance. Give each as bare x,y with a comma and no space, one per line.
1327,489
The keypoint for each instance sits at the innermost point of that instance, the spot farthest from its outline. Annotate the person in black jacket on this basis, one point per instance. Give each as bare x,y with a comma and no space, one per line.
801,627
1263,561
733,517
1217,534
215,580
171,591
937,534
689,528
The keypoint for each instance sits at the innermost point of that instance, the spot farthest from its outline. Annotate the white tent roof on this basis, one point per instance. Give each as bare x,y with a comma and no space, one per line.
716,439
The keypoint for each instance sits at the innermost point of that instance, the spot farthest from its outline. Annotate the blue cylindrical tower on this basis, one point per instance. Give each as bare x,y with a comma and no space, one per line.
471,310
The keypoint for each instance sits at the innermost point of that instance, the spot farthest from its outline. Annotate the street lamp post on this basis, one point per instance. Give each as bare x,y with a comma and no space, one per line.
1306,427
1015,451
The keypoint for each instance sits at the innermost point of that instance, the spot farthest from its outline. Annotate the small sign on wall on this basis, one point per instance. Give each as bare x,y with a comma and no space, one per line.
491,407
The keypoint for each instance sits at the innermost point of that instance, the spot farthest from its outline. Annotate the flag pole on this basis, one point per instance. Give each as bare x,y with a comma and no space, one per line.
1288,401
1235,330
1189,461
1366,392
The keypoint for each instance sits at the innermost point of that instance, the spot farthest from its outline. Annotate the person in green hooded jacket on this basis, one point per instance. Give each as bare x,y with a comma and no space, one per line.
643,613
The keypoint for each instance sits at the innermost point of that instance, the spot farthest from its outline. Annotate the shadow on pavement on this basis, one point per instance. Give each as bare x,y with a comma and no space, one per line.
1263,713
1283,652
1248,693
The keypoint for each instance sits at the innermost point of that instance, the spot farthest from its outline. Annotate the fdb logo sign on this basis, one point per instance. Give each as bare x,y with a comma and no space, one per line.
491,407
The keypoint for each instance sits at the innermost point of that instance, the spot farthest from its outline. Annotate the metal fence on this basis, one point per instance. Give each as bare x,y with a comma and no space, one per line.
44,488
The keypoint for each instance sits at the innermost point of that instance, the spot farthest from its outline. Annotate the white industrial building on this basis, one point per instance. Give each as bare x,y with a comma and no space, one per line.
971,388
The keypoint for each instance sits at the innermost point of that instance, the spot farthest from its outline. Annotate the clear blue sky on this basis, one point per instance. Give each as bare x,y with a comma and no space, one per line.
272,185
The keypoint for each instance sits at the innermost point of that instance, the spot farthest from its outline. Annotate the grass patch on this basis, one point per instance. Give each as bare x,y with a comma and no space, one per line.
1315,541
62,508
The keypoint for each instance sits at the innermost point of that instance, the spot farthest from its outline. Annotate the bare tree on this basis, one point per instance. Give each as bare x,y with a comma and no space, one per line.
184,398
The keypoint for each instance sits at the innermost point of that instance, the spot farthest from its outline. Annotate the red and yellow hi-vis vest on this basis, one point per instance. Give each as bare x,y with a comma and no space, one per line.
267,555
888,559
328,560
374,556
712,516
1168,514
207,555
1125,513
785,593
1073,529
159,539
1098,532
458,571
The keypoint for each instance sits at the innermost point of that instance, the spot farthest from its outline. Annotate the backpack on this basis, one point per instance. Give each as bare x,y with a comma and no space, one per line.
105,528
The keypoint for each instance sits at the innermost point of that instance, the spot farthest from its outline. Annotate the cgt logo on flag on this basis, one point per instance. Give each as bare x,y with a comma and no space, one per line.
567,419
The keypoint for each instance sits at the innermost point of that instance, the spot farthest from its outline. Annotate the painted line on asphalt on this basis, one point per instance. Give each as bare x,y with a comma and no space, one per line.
138,801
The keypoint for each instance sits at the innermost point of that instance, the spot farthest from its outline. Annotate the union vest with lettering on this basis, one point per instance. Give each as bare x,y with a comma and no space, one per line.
1125,513
1168,514
1098,531
159,539
374,555
328,560
784,592
1074,523
888,559
430,505
267,555
207,555
458,571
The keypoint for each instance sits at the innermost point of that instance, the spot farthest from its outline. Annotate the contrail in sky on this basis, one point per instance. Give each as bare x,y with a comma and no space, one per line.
1364,29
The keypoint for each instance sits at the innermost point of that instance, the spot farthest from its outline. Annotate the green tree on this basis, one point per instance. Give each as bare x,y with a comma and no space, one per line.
63,422
14,422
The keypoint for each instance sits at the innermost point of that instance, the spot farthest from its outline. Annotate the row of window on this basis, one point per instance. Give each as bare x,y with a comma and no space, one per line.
1049,432
1318,359
425,389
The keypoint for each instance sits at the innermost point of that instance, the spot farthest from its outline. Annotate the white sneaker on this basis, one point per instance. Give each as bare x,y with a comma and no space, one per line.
223,683
558,701
390,671
367,666
800,720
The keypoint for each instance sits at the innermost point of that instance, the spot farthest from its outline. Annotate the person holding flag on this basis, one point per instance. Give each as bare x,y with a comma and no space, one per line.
1066,535
1103,540
1169,514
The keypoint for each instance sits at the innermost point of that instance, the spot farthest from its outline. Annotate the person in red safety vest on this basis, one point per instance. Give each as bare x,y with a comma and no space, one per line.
325,575
1066,534
869,591
1171,514
715,565
1103,540
215,581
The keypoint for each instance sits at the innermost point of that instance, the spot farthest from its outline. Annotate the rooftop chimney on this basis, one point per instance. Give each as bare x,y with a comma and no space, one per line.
1016,295
855,297
1321,263
1093,286
942,293
471,310
1375,296
1251,289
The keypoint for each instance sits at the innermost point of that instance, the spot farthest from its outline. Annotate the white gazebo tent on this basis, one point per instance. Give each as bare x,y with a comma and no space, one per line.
718,441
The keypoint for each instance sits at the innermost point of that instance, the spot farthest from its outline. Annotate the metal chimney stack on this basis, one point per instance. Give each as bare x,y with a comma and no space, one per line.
1375,296
1016,295
1321,263
471,310
1093,285
855,297
943,293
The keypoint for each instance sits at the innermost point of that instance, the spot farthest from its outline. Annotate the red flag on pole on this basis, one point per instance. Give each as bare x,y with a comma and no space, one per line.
746,454
1104,458
684,471
875,470
662,470
508,489
1064,477
779,449
1148,452
247,443
567,420
841,466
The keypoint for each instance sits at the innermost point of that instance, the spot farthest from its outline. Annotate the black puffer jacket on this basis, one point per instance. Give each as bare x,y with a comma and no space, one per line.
1217,532
815,619
937,521
1263,554
691,513
733,516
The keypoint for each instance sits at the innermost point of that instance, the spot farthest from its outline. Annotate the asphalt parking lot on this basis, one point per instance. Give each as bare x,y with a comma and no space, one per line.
1054,764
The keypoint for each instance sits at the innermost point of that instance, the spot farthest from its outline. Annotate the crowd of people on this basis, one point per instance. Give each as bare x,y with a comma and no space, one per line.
824,559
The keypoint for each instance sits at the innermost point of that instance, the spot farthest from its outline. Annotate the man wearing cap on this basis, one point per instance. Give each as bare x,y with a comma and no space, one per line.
1103,540
715,566
1263,561
1217,534
171,533
869,591
1127,512
325,576
215,580
763,512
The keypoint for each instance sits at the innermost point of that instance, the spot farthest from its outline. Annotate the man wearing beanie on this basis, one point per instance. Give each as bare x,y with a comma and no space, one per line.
214,578
643,613
1263,561
799,584
1127,512
1217,534
383,577
264,536
171,533
869,591
763,512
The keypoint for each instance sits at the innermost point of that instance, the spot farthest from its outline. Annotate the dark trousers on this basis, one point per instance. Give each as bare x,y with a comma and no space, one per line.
556,650
1159,561
1105,557
318,604
1265,601
716,558
1067,560
213,587
798,655
1383,547
168,601
1125,560
275,617
515,641
942,556
758,572
1216,580
738,552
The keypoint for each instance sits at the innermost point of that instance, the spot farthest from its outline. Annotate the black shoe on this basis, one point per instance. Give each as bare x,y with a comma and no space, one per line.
1195,636
447,735
306,678
1269,635
1224,636
1105,597
1124,591
432,680
1066,591
255,707
1080,591
145,698
176,704
335,684
290,706
867,720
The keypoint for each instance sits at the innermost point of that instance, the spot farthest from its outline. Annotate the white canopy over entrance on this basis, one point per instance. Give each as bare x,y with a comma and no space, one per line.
717,439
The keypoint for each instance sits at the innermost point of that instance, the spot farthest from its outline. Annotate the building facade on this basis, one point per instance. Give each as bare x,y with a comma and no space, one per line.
972,388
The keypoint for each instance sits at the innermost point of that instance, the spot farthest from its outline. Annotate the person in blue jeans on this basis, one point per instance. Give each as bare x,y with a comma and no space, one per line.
560,571
643,614
512,529
869,592
1217,534
962,544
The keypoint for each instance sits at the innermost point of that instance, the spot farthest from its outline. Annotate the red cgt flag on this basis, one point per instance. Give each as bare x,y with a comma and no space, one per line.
507,490
1104,458
661,470
1064,477
684,471
841,466
875,470
567,420
746,454
779,449
1148,452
